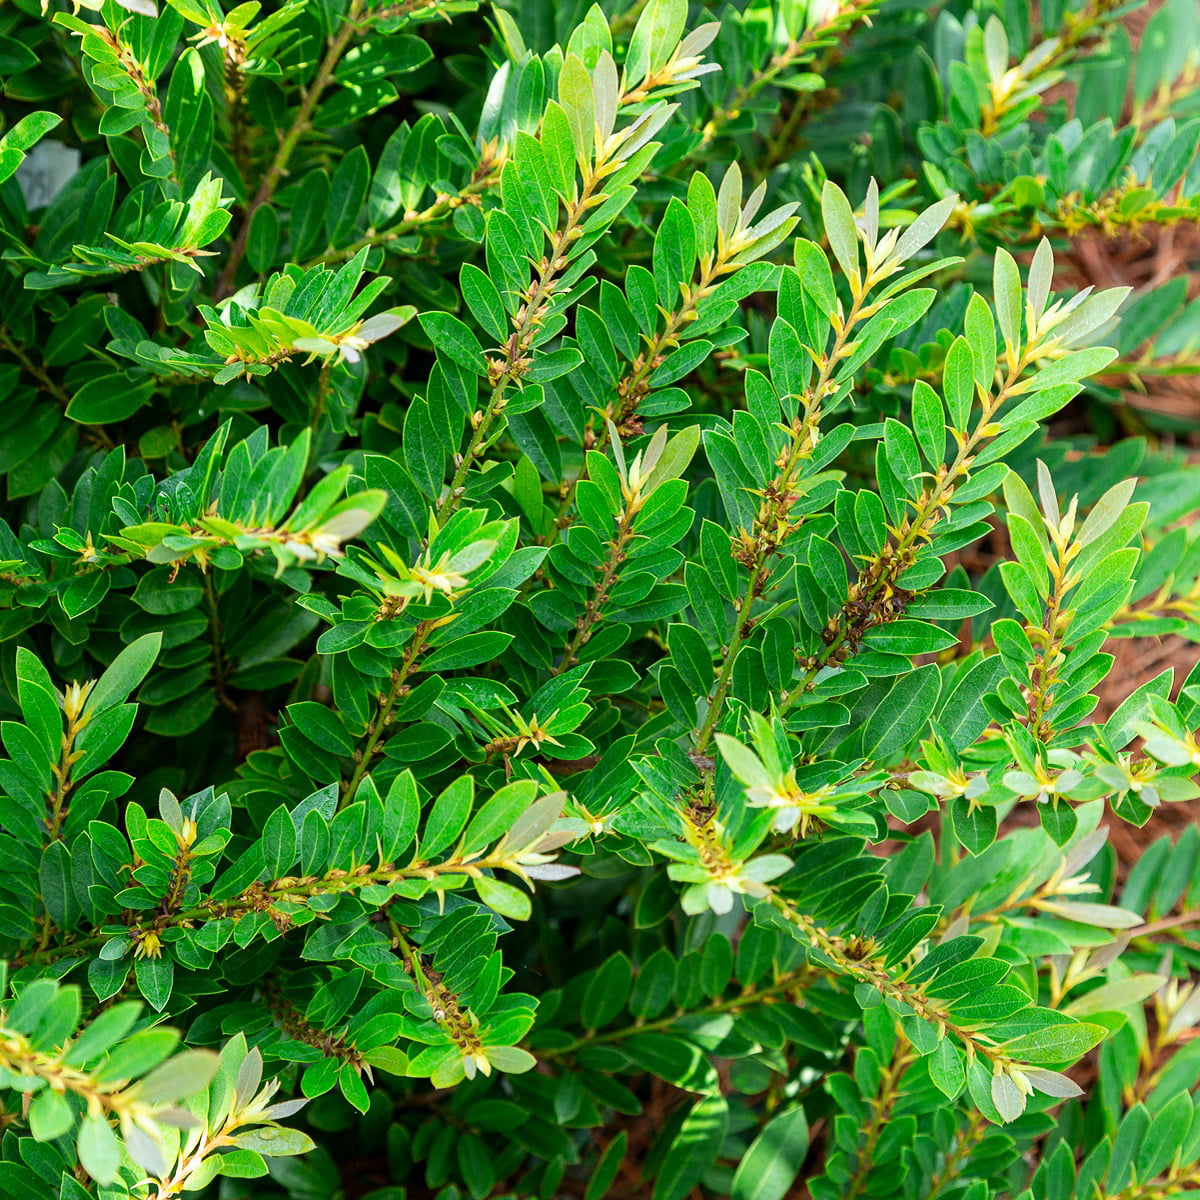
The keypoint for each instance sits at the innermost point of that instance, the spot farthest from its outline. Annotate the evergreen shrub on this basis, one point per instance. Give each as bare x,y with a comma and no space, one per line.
557,570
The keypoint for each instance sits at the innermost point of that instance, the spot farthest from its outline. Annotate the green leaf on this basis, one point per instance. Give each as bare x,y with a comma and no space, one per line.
672,1059
743,762
924,228
607,992
840,228
1073,367
50,1116
653,984
155,980
903,459
553,365
103,1033
483,300
1064,1043
454,339
99,1151
1007,1097
674,255
504,898
1116,995
275,1142
184,1075
84,593
946,1068
902,714
124,674
770,1167
1106,511
448,817
279,843
109,398
1107,916
905,636
693,1149
676,456
347,195
389,1059
654,39
605,1172
929,423
958,378
30,130
578,102
964,715
558,142
137,1054
511,1059
981,335
1006,287
691,657
1094,312
467,651
498,815
262,243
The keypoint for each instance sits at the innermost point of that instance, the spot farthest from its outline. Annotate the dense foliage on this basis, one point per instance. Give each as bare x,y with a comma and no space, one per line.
551,625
